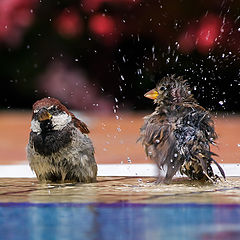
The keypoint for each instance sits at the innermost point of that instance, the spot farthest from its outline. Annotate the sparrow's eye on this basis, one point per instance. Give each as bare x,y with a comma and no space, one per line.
162,88
53,109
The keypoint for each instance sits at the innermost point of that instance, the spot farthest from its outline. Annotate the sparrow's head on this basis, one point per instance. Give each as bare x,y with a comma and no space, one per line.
49,115
171,90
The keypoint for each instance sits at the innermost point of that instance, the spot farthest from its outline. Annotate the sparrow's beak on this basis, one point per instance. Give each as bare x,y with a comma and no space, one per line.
152,94
43,115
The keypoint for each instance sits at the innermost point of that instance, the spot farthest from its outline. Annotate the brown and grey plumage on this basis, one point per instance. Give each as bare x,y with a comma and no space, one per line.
178,134
59,148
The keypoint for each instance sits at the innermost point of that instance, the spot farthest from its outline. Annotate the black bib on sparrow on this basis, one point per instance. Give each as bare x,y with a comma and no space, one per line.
51,141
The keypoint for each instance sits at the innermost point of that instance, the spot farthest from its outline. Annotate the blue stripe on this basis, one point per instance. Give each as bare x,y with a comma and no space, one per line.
117,204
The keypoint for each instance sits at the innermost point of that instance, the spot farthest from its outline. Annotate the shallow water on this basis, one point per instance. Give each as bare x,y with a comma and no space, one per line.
119,208
119,189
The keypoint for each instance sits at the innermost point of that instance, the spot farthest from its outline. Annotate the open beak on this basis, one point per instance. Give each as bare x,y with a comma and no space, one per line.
152,94
43,115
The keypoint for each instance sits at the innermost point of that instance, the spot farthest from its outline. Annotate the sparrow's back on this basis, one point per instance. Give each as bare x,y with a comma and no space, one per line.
178,134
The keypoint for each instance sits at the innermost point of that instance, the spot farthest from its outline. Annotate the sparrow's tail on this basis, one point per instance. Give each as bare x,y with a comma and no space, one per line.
205,163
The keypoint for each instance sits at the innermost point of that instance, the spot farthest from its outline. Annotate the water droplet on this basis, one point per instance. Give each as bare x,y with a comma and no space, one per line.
220,102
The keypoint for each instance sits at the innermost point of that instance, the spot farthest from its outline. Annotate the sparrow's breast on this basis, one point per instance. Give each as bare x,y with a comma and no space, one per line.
49,142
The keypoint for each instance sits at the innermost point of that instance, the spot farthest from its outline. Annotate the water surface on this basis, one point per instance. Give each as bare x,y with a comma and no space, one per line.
119,208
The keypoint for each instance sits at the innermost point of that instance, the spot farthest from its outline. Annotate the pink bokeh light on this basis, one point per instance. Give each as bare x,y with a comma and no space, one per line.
15,17
102,24
72,85
69,23
208,32
202,36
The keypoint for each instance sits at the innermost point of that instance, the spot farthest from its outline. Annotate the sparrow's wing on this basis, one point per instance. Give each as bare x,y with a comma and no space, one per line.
195,134
79,124
206,127
157,136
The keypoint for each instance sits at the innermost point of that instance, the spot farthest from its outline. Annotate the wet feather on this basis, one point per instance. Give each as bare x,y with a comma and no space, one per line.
178,134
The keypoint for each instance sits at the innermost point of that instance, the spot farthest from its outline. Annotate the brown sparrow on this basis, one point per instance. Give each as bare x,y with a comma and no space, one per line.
178,133
59,148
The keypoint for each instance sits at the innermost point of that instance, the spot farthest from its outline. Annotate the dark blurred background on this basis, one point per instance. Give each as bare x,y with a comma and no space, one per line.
99,55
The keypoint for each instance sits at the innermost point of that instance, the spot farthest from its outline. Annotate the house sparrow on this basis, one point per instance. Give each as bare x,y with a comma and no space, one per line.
59,148
178,133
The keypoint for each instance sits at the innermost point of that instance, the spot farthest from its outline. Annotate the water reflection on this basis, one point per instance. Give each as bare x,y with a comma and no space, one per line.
119,221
